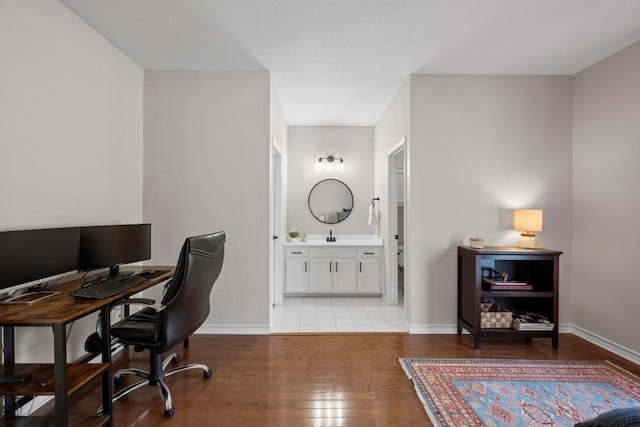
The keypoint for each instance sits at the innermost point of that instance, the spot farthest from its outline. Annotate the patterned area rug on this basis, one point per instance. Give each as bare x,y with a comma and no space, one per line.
504,392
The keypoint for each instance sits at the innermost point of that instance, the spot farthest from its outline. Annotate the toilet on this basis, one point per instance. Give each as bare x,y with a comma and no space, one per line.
400,256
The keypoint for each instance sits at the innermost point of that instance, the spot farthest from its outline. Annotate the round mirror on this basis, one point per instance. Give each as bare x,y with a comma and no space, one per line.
330,201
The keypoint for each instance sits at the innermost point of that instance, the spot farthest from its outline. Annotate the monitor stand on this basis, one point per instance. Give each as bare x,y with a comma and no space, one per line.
114,271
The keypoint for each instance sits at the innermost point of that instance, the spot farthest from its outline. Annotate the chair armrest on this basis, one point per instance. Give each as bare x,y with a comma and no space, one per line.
147,302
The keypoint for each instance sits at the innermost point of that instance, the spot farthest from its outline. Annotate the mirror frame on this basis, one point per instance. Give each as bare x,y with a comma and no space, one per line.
311,192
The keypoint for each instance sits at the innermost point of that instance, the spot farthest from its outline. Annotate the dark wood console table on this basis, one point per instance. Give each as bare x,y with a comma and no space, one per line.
537,267
62,379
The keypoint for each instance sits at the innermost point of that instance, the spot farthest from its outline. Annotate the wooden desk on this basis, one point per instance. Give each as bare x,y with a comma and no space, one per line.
61,379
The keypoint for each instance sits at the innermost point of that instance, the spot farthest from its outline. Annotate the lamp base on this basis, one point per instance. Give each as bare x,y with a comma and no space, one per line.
528,241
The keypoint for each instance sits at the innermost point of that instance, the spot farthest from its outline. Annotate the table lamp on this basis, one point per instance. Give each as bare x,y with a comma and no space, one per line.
527,221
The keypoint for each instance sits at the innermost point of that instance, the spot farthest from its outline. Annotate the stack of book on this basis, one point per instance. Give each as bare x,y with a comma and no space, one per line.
530,321
491,284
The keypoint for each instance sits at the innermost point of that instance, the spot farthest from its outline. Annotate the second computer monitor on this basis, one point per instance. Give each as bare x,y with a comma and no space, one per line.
110,246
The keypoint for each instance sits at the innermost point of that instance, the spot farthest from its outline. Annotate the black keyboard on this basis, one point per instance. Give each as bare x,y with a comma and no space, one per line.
105,288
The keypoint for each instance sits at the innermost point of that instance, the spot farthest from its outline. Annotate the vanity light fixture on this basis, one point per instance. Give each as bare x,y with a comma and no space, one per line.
527,221
331,159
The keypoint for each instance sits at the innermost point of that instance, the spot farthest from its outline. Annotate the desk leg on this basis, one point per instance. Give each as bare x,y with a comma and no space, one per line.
60,372
107,385
8,336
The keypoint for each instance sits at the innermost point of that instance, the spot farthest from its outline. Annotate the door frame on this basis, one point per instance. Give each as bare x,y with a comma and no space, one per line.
275,227
392,226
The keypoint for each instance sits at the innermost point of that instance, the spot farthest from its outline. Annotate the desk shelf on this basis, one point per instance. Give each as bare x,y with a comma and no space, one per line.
74,421
59,311
78,374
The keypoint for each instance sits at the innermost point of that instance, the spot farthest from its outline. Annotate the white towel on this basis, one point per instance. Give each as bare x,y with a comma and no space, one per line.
373,215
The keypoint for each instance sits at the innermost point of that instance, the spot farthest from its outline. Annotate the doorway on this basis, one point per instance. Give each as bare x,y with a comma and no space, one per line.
275,288
397,291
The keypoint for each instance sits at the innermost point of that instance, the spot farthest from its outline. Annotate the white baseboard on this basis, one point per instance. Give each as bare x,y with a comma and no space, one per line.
453,329
234,329
626,353
420,329
426,329
563,328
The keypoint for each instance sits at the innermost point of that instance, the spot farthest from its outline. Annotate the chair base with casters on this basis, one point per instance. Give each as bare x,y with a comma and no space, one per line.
156,377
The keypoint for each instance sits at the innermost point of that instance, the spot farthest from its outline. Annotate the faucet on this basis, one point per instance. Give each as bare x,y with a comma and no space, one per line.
331,238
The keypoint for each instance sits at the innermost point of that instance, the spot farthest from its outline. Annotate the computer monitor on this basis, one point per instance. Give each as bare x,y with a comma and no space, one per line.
103,246
30,255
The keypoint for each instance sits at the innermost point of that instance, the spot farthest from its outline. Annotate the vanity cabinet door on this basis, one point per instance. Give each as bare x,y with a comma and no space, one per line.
332,270
345,276
321,275
369,276
369,270
296,275
333,275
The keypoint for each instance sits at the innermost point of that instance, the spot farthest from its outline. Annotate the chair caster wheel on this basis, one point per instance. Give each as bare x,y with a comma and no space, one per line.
175,359
169,412
207,374
118,380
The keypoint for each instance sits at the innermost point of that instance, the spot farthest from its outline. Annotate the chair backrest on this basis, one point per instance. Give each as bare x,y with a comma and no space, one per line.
187,295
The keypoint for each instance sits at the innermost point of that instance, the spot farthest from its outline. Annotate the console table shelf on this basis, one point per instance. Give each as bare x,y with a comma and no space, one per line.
516,294
537,267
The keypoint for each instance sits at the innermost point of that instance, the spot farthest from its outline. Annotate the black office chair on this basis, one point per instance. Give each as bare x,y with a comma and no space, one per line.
184,307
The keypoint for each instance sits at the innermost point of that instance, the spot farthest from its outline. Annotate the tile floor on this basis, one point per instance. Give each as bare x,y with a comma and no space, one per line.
337,314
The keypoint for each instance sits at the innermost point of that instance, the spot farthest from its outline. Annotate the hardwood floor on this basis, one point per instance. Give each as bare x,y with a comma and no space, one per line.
309,380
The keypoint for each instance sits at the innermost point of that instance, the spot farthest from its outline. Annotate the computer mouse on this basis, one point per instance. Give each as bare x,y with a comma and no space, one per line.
147,272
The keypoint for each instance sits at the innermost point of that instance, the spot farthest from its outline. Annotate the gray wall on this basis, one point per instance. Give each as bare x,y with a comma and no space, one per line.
71,140
393,126
308,143
606,198
70,134
206,168
481,146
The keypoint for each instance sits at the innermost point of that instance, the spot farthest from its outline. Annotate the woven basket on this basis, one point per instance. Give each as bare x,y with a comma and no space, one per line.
492,316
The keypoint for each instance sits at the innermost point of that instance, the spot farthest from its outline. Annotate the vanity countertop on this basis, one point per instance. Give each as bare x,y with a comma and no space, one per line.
341,240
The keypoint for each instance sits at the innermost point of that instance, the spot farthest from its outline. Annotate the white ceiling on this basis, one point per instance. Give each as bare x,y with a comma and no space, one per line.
342,61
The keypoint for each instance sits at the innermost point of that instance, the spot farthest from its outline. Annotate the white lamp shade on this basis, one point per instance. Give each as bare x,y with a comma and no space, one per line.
527,219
